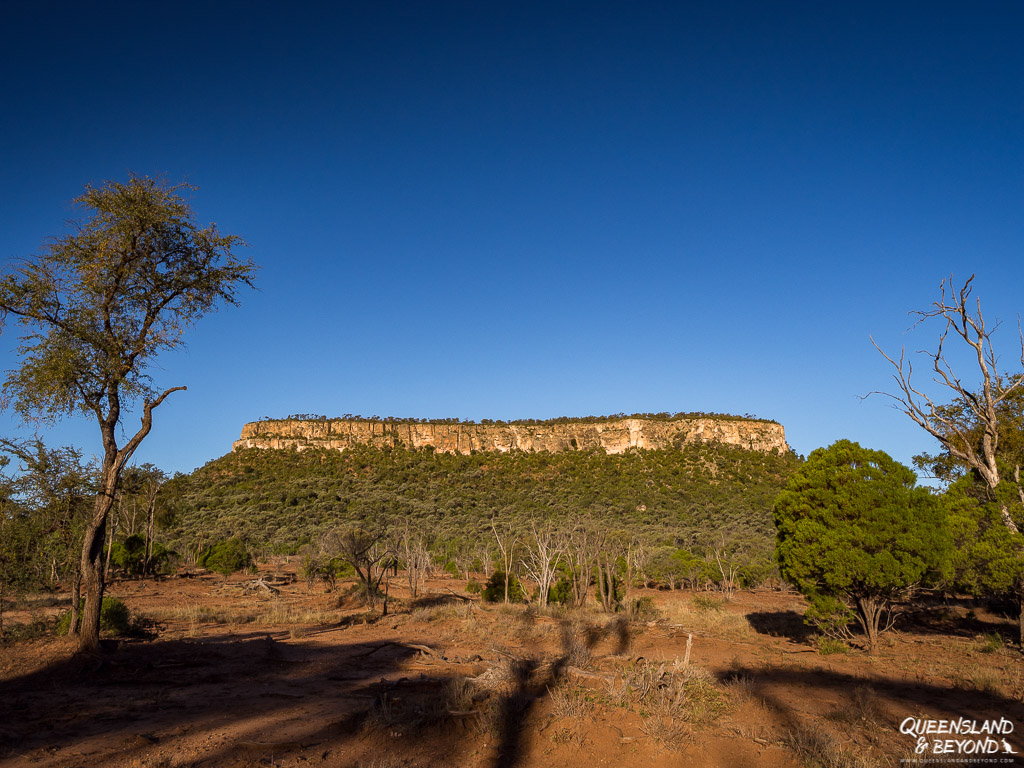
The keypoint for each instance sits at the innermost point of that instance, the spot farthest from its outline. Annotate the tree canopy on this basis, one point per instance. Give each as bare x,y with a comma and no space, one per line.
854,533
97,305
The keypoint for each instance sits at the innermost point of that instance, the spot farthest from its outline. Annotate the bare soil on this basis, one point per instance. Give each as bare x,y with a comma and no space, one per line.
233,679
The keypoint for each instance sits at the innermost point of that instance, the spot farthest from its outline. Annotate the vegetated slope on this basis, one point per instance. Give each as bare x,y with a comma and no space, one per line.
279,499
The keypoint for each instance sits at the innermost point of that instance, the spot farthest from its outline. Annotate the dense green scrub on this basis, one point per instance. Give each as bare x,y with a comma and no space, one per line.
278,500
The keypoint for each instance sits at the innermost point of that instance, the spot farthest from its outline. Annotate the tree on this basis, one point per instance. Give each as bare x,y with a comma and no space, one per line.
508,540
137,500
987,557
97,306
368,552
583,546
968,428
413,546
855,535
543,554
226,557
44,514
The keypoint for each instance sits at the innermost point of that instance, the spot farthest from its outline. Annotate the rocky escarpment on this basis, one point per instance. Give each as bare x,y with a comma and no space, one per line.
611,435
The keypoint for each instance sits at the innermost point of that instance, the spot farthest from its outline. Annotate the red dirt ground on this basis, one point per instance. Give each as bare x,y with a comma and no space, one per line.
227,679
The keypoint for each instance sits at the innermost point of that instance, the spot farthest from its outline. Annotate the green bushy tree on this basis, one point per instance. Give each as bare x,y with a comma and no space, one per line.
226,557
495,589
987,558
137,555
855,535
45,494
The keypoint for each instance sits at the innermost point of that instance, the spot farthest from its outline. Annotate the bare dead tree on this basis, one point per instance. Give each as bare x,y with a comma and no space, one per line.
544,551
969,325
637,557
974,441
584,544
728,571
508,540
152,488
482,552
413,547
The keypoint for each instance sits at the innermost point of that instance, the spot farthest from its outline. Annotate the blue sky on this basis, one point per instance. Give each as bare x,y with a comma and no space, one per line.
515,210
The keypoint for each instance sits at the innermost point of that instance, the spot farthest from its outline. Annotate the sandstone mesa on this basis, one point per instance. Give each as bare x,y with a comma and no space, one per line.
613,435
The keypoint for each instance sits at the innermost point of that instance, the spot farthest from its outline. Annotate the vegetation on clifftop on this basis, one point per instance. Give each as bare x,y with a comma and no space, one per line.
664,416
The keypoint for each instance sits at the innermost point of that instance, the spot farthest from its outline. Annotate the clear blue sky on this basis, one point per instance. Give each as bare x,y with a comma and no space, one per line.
512,209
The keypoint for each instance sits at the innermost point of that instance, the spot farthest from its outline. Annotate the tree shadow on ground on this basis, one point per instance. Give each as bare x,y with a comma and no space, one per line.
788,624
236,700
937,618
438,601
867,702
237,690
960,617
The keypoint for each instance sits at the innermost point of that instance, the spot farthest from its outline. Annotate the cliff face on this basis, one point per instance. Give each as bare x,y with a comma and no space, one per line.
611,436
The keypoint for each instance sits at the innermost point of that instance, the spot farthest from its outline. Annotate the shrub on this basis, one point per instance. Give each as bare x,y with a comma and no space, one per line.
130,556
474,587
357,595
494,592
115,618
613,601
226,557
327,570
706,603
991,642
643,609
561,592
829,645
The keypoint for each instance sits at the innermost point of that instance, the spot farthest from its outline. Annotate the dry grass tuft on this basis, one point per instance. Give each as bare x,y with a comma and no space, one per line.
708,615
975,678
571,702
741,690
990,643
861,709
672,699
817,747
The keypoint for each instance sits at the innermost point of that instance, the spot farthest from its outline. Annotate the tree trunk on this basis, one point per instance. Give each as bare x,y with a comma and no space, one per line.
150,531
92,544
76,598
91,566
869,612
606,584
1020,616
110,548
92,584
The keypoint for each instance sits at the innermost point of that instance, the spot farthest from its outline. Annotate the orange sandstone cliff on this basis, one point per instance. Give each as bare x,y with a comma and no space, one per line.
612,435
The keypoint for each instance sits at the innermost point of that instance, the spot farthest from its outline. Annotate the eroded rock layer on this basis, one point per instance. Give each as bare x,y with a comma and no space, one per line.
612,436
